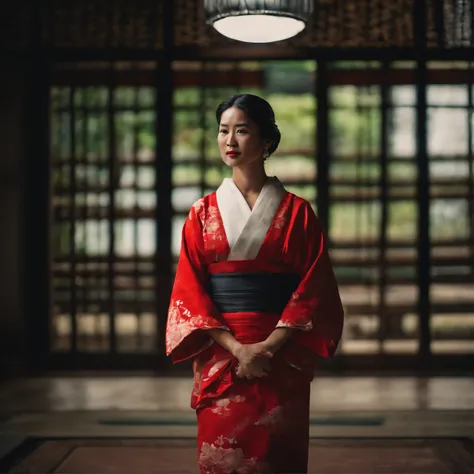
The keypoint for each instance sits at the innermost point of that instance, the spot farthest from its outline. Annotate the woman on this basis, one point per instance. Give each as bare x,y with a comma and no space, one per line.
254,303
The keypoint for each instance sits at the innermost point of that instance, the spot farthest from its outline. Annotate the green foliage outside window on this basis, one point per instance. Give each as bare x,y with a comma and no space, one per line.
355,119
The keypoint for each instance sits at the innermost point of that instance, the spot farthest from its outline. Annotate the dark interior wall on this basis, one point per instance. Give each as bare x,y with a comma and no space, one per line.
13,127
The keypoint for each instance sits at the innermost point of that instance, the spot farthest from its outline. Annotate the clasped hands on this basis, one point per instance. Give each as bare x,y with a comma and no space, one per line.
253,360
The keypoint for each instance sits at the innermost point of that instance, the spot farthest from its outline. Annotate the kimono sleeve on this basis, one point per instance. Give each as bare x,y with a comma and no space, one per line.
191,311
315,308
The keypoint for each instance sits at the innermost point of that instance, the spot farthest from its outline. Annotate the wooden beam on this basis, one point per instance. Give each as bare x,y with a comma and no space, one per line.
146,78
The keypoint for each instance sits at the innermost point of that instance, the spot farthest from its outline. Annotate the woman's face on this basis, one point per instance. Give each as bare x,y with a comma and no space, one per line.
239,139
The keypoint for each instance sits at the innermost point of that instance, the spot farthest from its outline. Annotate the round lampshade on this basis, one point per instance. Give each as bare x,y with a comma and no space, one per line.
258,21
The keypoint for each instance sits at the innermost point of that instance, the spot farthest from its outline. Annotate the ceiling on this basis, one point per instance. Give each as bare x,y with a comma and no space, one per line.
141,25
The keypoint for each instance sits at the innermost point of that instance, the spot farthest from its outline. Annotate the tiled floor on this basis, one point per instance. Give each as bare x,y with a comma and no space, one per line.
173,394
159,407
326,456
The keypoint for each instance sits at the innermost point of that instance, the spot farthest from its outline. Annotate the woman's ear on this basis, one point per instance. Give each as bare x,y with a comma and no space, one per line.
266,145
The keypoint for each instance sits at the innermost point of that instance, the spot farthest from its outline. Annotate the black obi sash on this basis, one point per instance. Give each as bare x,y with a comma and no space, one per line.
252,292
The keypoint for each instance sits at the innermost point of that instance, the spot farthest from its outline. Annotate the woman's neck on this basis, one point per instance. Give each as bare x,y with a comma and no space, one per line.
249,180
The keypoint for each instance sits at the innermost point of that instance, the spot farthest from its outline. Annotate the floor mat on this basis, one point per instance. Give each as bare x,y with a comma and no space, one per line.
178,456
166,420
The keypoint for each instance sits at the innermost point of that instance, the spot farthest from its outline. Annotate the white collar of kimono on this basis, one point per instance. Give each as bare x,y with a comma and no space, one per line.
246,228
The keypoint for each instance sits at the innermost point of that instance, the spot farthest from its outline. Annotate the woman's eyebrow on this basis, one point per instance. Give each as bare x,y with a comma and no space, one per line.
237,125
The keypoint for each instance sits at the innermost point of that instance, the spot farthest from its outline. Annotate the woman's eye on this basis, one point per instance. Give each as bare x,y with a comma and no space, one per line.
241,131
222,131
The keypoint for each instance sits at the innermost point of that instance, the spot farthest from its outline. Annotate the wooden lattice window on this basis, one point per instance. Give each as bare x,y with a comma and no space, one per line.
103,207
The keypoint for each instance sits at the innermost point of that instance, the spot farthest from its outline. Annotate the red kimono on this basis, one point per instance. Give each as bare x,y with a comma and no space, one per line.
259,425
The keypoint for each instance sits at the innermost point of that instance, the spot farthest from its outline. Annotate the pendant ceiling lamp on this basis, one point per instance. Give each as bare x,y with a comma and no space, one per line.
258,21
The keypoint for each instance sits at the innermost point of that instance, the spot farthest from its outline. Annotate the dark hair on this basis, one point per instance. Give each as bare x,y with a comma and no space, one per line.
260,111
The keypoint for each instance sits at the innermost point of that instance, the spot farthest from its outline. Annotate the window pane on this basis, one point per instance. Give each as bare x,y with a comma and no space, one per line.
176,232
447,169
183,198
447,131
355,221
135,237
292,168
449,219
136,332
447,95
402,143
403,95
402,220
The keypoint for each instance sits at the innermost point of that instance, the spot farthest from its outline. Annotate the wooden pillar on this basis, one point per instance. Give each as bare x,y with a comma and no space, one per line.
423,184
37,260
164,134
322,144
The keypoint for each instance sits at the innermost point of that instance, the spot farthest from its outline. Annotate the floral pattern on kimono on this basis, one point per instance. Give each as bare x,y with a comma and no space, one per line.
261,425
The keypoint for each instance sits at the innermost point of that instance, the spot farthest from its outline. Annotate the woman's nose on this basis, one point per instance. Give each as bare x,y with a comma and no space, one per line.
231,140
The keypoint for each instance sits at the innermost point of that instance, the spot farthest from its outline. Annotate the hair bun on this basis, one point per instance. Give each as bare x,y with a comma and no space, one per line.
275,138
